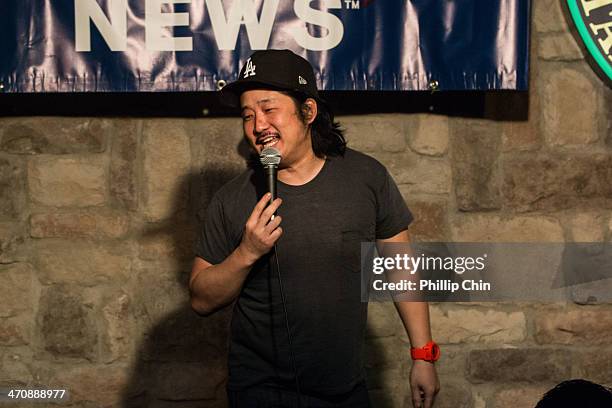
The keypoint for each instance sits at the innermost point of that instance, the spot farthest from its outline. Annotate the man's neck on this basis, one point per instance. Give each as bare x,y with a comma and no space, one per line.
302,171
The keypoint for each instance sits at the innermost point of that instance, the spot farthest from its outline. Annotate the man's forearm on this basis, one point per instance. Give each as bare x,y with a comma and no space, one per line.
415,317
218,285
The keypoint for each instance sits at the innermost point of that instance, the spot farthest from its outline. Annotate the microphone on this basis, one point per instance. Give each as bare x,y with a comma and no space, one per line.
270,158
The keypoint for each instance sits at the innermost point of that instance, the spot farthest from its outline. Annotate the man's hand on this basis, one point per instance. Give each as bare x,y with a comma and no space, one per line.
260,232
424,384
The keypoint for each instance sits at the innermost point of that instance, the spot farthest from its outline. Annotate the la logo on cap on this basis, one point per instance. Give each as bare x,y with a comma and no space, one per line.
302,81
249,70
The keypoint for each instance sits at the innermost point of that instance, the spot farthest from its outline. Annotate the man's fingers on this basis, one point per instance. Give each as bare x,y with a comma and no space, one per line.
259,207
271,209
273,224
417,398
429,397
275,235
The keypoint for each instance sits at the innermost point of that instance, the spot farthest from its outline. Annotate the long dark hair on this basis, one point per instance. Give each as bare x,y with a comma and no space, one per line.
326,134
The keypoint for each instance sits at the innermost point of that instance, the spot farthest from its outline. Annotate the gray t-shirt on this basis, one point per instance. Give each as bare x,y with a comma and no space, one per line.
353,199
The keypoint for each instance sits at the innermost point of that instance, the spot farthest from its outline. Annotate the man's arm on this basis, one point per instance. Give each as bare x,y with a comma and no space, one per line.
415,317
214,286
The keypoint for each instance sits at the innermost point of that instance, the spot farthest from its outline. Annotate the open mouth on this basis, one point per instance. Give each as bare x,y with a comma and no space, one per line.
268,141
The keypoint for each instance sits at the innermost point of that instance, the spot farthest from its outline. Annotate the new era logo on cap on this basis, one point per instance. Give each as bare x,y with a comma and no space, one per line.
302,81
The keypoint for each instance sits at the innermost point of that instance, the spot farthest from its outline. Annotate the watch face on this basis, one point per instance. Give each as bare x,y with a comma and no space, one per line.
435,352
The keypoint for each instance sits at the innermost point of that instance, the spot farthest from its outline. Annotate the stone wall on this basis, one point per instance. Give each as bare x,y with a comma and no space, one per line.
97,218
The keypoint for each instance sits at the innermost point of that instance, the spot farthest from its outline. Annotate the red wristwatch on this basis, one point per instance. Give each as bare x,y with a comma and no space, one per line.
429,352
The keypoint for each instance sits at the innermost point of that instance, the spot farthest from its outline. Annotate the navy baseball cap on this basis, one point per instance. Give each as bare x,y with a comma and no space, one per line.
279,70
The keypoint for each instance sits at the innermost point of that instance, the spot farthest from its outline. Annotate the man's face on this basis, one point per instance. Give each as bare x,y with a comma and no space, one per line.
270,119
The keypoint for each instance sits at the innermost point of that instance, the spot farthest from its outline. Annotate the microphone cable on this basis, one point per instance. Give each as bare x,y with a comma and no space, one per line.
291,356
270,159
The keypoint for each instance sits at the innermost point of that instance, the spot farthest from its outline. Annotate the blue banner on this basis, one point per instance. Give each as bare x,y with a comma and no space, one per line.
198,45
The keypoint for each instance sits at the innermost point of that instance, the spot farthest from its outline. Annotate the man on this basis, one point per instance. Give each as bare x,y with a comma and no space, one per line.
298,342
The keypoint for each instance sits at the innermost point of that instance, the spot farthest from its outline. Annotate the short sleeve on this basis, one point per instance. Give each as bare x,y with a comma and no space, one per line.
392,216
213,243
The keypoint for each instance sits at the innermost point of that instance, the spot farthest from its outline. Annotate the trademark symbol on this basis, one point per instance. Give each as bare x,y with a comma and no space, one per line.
351,4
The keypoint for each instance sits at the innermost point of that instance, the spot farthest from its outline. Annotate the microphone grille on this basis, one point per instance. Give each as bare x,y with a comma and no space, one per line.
270,157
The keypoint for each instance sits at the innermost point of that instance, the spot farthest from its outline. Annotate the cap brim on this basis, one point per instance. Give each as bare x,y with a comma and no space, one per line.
230,93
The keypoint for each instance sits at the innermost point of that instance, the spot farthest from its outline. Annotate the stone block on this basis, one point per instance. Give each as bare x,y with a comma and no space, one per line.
416,174
587,227
564,181
80,262
157,291
431,136
124,164
68,181
427,176
383,320
217,142
430,220
583,326
68,327
212,131
99,224
12,238
117,336
524,396
479,401
101,386
18,289
14,369
169,241
12,188
53,135
548,16
186,381
475,151
457,326
559,47
371,133
519,365
389,131
524,135
167,164
493,228
566,120
595,365
452,360
519,134
15,331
